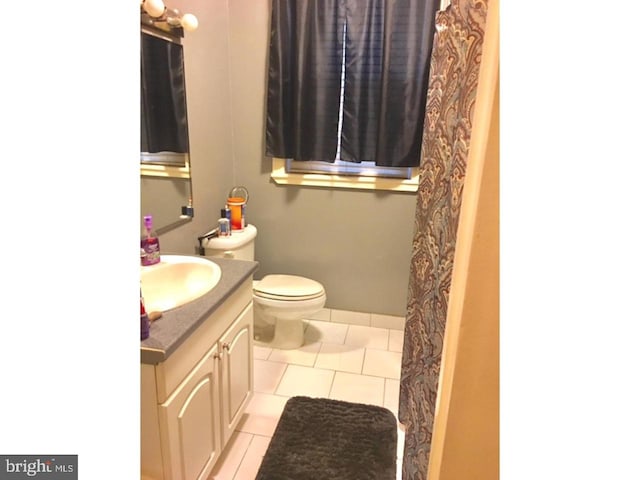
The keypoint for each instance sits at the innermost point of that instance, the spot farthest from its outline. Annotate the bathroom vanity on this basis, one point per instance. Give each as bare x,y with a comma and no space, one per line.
197,377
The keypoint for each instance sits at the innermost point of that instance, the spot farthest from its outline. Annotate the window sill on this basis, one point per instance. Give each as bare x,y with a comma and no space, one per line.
282,177
164,171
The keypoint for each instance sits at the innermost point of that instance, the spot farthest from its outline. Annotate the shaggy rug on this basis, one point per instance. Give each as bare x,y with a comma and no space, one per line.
323,439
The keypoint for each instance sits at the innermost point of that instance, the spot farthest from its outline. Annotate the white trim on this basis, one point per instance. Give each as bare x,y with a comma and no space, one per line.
281,177
165,171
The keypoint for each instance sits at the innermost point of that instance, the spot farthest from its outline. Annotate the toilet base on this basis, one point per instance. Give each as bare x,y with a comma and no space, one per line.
273,332
288,334
280,324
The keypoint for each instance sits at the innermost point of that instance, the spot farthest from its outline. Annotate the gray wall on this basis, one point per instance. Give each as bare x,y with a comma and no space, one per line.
356,243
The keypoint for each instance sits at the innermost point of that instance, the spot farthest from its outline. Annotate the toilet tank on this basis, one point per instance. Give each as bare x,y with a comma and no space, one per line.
240,245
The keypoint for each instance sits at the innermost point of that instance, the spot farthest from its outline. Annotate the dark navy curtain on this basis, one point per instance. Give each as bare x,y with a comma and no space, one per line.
385,46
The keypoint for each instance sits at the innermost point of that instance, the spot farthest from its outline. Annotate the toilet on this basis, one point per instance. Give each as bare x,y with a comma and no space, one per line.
280,301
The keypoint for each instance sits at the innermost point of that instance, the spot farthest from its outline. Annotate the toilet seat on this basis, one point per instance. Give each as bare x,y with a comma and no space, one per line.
288,288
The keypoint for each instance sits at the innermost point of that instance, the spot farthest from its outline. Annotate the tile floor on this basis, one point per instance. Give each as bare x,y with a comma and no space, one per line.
350,356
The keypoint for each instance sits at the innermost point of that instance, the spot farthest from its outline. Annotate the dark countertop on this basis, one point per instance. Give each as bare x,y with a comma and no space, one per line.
174,327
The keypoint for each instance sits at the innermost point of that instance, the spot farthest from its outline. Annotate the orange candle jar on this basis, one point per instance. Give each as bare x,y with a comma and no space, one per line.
236,205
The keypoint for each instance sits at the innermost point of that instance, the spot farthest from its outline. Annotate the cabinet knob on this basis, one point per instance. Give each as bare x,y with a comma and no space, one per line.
216,356
226,346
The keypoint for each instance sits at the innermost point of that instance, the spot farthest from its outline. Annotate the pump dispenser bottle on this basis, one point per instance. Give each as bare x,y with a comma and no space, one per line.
224,227
149,244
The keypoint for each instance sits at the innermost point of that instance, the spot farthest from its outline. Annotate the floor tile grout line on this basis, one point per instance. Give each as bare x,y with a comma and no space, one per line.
384,392
281,377
314,365
364,359
315,360
253,436
333,379
244,454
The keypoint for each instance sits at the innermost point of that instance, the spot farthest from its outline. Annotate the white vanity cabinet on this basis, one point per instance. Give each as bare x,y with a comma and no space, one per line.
190,422
192,402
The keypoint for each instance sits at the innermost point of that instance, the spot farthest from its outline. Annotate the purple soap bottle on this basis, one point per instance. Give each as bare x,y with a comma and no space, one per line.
149,244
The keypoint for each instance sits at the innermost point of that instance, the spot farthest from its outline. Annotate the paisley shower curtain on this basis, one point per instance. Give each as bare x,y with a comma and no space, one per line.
455,63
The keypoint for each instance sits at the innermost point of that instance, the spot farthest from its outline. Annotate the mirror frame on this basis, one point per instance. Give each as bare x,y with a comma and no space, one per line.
172,169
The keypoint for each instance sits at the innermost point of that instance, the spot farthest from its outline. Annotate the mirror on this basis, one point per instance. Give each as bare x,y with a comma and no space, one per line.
165,176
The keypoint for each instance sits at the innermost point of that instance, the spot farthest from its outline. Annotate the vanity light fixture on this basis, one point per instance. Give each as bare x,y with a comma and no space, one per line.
154,12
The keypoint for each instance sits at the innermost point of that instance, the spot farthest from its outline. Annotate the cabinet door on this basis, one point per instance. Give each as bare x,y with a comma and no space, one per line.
237,370
190,423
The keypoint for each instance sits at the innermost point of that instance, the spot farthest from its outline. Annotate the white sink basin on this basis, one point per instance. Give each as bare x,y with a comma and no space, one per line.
176,280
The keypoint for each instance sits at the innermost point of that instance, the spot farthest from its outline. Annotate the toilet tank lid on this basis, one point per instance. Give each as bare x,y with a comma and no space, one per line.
288,286
235,240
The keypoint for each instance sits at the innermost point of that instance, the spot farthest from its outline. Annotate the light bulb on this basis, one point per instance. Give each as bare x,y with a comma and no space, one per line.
155,8
189,22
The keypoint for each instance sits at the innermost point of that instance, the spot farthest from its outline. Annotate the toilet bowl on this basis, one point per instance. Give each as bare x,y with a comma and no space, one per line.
281,302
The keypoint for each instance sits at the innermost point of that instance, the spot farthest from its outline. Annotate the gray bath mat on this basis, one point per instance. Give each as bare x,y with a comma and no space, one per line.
323,439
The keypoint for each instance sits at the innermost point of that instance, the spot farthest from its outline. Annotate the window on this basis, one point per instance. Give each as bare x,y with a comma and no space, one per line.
372,58
280,175
339,167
